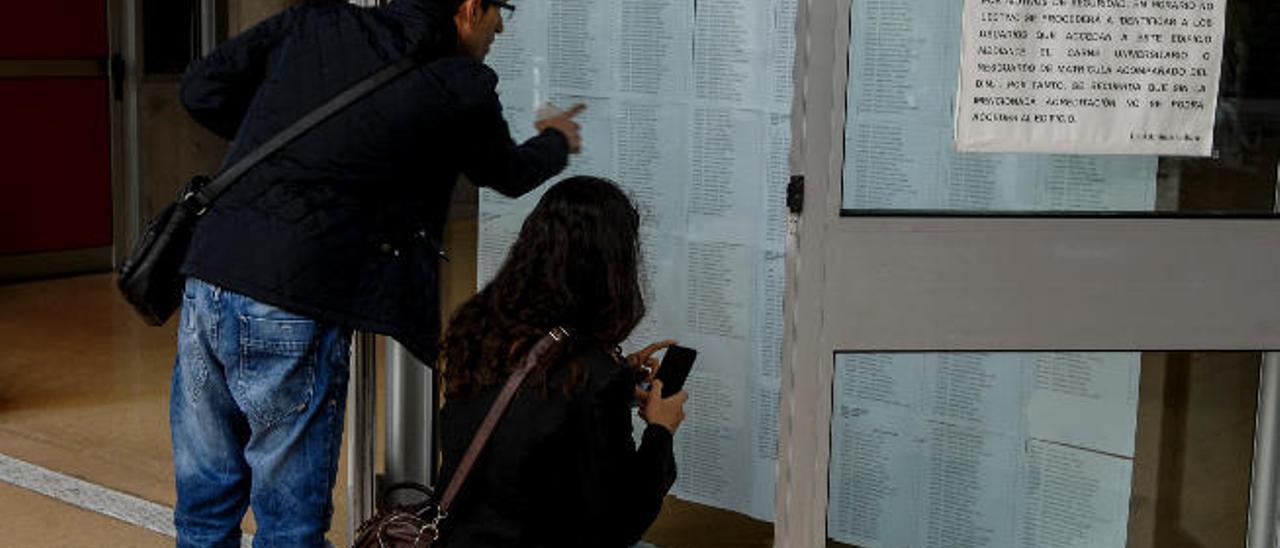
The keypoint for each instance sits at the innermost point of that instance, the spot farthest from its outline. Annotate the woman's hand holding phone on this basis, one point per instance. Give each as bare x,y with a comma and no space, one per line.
665,412
644,365
654,409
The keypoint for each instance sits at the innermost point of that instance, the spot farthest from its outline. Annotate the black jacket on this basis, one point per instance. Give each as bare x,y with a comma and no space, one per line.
343,225
559,471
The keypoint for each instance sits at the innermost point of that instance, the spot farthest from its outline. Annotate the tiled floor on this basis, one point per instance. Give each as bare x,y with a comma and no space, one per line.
35,520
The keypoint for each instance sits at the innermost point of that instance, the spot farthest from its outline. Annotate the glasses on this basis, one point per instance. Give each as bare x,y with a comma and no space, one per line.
504,5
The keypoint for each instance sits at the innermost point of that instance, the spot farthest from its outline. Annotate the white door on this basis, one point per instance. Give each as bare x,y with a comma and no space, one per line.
1030,289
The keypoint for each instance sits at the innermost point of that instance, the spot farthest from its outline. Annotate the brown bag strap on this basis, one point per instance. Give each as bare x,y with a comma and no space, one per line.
495,412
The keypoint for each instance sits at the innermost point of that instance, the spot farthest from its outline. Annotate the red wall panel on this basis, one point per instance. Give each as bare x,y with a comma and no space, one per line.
55,165
52,29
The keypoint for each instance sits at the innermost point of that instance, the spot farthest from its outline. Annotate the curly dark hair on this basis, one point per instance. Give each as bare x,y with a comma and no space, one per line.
575,264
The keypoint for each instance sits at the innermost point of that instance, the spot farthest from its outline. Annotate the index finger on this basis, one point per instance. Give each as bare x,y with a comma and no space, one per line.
649,350
574,110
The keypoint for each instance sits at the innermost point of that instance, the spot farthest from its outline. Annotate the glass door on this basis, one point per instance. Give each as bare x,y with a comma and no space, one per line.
1023,349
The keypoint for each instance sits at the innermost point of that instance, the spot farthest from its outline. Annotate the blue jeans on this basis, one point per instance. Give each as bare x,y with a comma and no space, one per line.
258,400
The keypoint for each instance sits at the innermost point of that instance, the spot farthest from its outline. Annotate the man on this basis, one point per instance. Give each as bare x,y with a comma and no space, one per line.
338,231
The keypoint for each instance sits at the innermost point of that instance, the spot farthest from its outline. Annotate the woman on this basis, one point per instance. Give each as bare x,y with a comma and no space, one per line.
561,468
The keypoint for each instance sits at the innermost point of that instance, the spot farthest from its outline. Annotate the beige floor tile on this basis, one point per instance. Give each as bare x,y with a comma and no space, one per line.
85,385
31,519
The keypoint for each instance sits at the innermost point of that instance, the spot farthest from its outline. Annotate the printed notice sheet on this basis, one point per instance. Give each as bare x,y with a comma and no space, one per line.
1090,76
982,450
899,135
689,111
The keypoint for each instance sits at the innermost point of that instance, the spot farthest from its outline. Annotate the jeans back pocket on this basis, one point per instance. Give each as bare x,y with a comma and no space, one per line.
276,374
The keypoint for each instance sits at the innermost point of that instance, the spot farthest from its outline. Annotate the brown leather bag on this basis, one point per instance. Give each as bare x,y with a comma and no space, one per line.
418,525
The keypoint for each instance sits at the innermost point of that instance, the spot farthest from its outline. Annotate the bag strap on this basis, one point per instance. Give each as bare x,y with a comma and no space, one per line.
495,412
199,199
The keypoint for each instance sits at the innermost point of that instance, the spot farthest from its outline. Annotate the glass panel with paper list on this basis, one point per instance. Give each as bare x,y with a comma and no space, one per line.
1010,107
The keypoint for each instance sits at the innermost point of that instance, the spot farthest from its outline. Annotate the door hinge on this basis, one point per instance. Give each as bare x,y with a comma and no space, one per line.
795,194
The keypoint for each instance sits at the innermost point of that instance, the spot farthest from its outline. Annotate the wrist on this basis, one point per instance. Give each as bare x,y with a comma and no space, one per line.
670,429
549,127
557,134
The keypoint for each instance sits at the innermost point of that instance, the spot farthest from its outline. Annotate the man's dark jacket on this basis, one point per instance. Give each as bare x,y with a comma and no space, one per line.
343,225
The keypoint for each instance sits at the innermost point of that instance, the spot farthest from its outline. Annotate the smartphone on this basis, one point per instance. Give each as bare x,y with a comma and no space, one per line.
676,364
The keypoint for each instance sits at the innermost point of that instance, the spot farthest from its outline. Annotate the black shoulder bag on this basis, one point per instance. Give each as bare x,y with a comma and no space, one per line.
149,278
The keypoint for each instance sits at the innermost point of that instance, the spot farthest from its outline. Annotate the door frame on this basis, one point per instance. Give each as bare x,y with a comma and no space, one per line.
125,18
